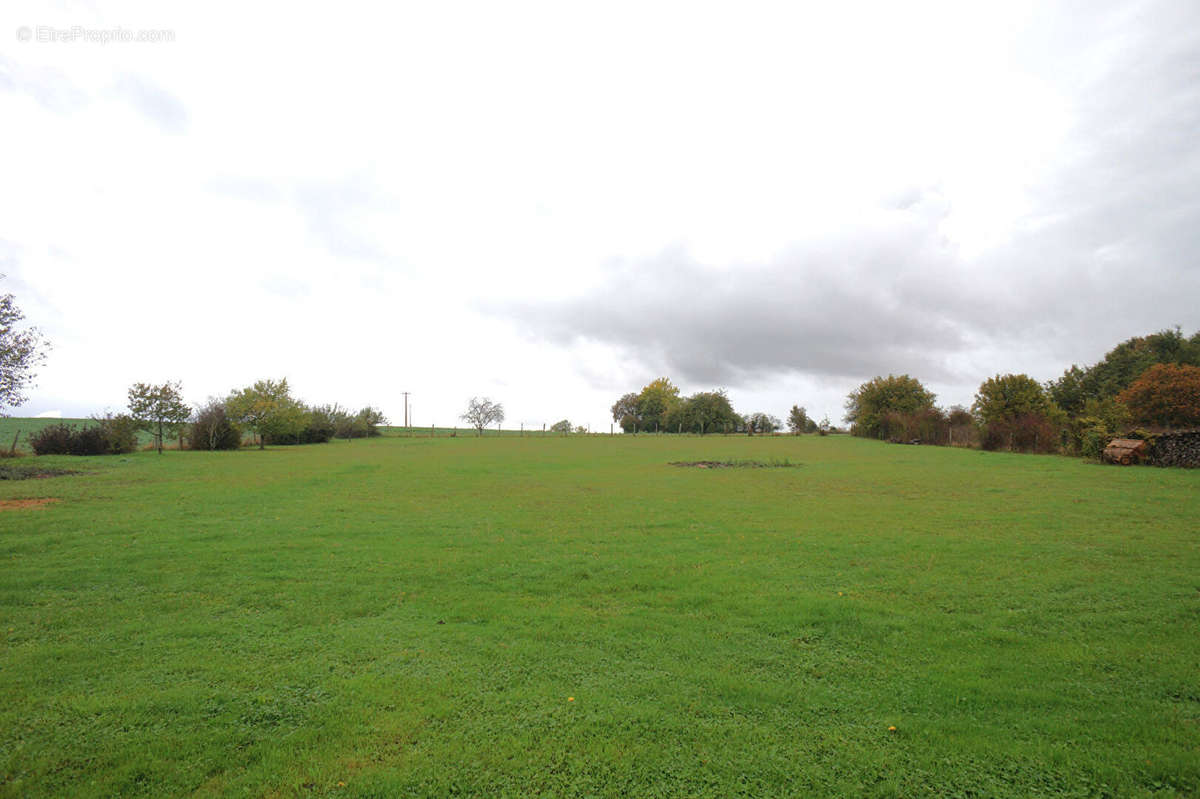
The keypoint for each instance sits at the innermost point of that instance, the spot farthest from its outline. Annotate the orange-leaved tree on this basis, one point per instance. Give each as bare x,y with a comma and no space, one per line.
1166,394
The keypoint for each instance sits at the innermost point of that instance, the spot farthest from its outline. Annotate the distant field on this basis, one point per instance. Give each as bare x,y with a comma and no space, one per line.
11,426
441,432
575,617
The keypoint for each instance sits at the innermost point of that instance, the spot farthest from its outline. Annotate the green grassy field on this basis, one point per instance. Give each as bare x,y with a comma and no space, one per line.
20,429
575,617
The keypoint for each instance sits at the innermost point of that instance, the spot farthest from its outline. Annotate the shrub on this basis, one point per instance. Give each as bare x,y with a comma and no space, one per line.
120,434
372,419
1089,433
927,425
563,426
110,435
212,429
319,425
1026,432
88,441
364,424
962,429
1092,437
52,440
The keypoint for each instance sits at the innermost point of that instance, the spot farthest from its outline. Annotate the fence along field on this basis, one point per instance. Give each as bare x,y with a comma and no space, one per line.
524,616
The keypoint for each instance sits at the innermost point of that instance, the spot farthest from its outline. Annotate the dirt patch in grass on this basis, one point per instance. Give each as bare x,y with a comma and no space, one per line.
19,504
774,463
30,471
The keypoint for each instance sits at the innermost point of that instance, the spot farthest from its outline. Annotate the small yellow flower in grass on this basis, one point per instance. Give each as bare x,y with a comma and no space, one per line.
840,593
891,729
570,699
341,784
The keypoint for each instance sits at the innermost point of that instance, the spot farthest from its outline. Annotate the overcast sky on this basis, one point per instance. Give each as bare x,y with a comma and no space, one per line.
551,204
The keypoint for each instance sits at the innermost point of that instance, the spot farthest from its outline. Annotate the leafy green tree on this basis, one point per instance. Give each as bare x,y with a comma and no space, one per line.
268,410
369,420
760,423
563,426
21,351
868,404
1090,430
656,402
1069,392
703,412
320,424
627,412
1005,397
1014,412
159,409
798,420
324,422
1122,365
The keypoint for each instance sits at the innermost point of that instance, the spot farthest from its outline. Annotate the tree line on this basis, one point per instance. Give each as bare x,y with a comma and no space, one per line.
1149,381
1152,380
659,408
265,411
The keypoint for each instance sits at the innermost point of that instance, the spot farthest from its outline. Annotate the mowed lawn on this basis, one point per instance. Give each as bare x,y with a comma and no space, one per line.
576,617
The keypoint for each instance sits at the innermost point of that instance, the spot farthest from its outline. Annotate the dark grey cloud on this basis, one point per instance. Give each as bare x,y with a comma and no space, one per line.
153,102
1109,249
1113,247
885,294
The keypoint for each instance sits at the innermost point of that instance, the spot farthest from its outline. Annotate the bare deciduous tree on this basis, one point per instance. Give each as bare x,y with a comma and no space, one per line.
481,412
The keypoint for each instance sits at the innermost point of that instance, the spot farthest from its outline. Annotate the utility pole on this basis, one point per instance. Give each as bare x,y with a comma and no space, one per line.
405,393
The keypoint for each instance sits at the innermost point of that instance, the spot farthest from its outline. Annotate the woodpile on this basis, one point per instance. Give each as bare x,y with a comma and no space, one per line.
1178,448
1124,451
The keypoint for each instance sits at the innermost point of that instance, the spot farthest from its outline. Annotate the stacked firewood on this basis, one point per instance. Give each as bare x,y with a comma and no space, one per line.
1178,448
